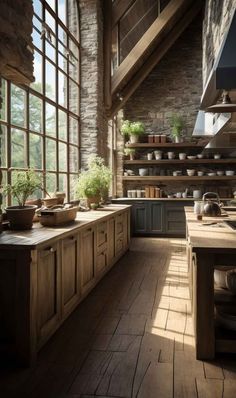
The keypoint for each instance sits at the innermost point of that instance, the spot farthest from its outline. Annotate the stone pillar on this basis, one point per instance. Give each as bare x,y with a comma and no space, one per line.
94,127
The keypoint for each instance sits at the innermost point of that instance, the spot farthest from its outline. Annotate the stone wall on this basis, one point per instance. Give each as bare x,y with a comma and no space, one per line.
16,58
174,85
216,21
93,121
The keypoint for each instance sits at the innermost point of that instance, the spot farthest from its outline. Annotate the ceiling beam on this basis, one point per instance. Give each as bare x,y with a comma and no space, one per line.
155,57
164,21
119,8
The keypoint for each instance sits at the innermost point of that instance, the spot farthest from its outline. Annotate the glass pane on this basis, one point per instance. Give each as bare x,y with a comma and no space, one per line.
73,182
62,183
73,97
51,183
35,148
73,48
62,125
50,121
37,7
3,146
37,41
74,159
37,23
50,51
73,17
18,97
50,21
35,113
62,10
50,154
62,95
73,69
18,148
62,35
3,111
73,130
50,83
37,85
62,156
52,4
62,62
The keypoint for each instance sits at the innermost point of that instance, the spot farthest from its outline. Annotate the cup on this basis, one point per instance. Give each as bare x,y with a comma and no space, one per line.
184,195
134,193
149,156
129,193
178,194
171,155
139,193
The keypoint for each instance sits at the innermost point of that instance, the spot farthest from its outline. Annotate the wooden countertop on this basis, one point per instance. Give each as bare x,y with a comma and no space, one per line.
39,235
213,237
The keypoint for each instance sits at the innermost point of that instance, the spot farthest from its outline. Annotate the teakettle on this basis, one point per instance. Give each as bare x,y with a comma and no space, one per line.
211,208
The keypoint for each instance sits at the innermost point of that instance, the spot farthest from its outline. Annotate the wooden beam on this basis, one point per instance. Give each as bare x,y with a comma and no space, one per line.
119,8
107,40
156,57
164,21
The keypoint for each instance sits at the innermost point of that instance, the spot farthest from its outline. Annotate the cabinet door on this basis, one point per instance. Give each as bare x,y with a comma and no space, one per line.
139,218
48,292
101,235
87,266
111,241
175,219
156,224
70,274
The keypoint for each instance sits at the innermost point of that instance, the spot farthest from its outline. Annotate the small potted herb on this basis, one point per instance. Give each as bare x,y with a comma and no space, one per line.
177,125
24,184
129,152
93,183
133,130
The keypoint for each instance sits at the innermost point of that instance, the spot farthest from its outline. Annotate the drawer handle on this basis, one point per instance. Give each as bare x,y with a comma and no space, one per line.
50,249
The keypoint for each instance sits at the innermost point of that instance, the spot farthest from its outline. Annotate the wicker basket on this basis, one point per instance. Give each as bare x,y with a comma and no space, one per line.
52,218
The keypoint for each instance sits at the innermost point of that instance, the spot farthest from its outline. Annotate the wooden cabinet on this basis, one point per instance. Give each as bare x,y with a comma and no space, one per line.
175,219
119,234
111,241
48,291
70,273
139,223
155,217
87,260
101,248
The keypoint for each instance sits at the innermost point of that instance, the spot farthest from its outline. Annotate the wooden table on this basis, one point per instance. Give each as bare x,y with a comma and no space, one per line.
209,246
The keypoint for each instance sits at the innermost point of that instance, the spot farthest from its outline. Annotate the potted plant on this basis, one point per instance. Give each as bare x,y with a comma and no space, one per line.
177,125
133,130
129,152
93,183
24,184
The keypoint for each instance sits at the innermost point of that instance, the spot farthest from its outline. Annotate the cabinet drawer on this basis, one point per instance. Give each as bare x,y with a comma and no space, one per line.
119,224
101,234
101,262
119,245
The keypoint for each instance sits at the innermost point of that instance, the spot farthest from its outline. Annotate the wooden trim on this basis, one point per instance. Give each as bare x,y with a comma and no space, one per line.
107,52
119,8
162,23
178,178
155,57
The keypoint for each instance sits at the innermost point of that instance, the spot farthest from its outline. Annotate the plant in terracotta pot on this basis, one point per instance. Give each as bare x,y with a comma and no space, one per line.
93,183
177,126
133,130
129,152
24,184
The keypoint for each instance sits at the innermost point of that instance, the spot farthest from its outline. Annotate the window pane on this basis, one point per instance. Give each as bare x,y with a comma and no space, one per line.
73,17
62,62
37,23
4,182
74,160
17,106
73,69
62,125
18,148
50,21
50,154
38,7
50,121
37,41
51,183
37,85
3,146
35,147
73,130
73,97
62,183
62,96
51,3
50,81
62,10
50,51
62,35
62,156
35,113
3,111
73,182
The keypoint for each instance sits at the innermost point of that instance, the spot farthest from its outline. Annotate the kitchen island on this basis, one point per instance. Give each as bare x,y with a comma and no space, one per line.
46,272
210,243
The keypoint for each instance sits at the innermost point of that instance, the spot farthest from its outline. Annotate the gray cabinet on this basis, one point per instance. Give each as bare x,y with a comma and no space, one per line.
139,218
155,217
174,219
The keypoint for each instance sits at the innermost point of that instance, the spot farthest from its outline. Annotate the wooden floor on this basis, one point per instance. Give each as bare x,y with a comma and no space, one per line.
132,337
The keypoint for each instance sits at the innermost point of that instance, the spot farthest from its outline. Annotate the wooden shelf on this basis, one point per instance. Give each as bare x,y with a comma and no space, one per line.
178,178
178,161
166,145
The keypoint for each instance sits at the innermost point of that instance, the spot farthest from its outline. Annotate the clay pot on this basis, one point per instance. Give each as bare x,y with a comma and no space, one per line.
20,218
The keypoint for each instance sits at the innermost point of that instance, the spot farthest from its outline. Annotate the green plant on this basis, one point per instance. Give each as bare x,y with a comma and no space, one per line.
24,184
96,180
177,125
132,128
129,151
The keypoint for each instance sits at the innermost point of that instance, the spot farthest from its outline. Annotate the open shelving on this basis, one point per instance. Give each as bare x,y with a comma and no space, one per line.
179,178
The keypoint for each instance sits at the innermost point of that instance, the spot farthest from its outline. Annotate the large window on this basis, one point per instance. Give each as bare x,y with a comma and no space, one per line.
39,125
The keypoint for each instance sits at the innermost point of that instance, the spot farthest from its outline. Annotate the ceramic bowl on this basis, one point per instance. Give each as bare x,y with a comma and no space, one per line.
192,157
200,173
200,156
211,174
190,172
229,172
143,172
217,156
182,156
220,173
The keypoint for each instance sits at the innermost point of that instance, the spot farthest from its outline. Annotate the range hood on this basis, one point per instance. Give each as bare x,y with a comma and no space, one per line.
223,73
